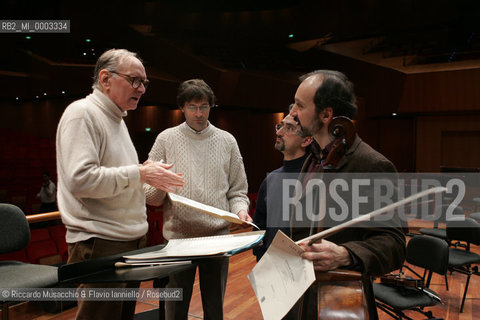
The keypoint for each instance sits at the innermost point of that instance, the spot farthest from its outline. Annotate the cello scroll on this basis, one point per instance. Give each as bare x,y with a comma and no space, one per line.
343,132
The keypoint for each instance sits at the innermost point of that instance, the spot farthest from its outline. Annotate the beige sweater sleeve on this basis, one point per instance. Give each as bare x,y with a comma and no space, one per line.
154,196
237,194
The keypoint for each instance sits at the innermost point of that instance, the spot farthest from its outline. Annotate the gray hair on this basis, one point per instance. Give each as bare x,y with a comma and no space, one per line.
110,60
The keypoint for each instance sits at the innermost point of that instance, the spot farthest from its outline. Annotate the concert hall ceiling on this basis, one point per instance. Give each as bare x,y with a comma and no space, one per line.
248,41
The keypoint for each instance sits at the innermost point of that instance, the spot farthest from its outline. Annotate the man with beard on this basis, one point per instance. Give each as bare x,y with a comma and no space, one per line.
370,248
293,143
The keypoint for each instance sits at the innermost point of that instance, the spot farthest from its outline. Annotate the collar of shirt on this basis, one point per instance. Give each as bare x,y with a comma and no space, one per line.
109,107
318,154
195,131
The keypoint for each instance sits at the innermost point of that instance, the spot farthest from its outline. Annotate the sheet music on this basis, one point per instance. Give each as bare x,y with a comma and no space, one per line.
203,246
281,277
120,264
214,212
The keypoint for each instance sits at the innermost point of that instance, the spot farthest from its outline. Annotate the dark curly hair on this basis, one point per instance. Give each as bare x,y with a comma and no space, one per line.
194,89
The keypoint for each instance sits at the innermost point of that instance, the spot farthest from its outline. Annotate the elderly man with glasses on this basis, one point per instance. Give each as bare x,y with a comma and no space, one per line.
100,182
292,142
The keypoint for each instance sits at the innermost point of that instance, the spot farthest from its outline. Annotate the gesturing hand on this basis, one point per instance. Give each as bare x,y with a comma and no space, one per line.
158,175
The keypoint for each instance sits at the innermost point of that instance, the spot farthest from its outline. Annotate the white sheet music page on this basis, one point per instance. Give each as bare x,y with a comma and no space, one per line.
203,246
214,212
281,277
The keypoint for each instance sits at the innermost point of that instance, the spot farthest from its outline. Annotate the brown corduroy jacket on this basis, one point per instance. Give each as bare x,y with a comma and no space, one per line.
376,249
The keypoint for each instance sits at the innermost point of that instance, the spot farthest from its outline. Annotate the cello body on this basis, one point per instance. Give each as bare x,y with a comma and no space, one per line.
335,295
340,295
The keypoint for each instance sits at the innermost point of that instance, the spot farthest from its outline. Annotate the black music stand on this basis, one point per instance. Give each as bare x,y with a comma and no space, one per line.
103,270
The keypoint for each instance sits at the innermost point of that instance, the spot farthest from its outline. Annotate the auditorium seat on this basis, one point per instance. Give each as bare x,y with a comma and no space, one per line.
476,200
57,234
42,248
20,255
14,236
39,235
3,195
57,231
43,252
253,203
155,225
475,216
19,201
23,158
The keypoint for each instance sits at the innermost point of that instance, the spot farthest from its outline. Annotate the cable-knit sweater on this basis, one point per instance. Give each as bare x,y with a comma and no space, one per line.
99,189
214,174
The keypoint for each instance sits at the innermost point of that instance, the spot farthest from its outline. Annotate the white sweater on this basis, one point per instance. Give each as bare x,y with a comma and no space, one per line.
99,189
214,174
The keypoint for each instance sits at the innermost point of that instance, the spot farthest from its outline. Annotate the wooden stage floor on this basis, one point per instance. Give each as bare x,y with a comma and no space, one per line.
241,303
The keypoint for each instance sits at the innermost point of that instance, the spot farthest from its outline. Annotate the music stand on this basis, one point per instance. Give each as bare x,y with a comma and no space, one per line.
103,270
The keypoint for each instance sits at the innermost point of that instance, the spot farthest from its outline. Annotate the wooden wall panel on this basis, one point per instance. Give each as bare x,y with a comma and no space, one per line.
438,134
397,142
445,91
460,149
37,118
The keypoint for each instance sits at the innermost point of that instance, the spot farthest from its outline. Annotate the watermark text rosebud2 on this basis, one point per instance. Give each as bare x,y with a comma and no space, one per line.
334,198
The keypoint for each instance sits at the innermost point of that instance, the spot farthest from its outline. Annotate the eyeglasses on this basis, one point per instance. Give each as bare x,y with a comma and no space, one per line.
287,128
193,108
134,81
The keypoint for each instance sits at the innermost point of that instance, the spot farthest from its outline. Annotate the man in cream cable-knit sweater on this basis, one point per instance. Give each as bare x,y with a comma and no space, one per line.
212,167
100,192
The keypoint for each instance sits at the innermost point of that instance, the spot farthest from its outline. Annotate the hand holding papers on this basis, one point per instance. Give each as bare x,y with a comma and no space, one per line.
214,212
281,277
